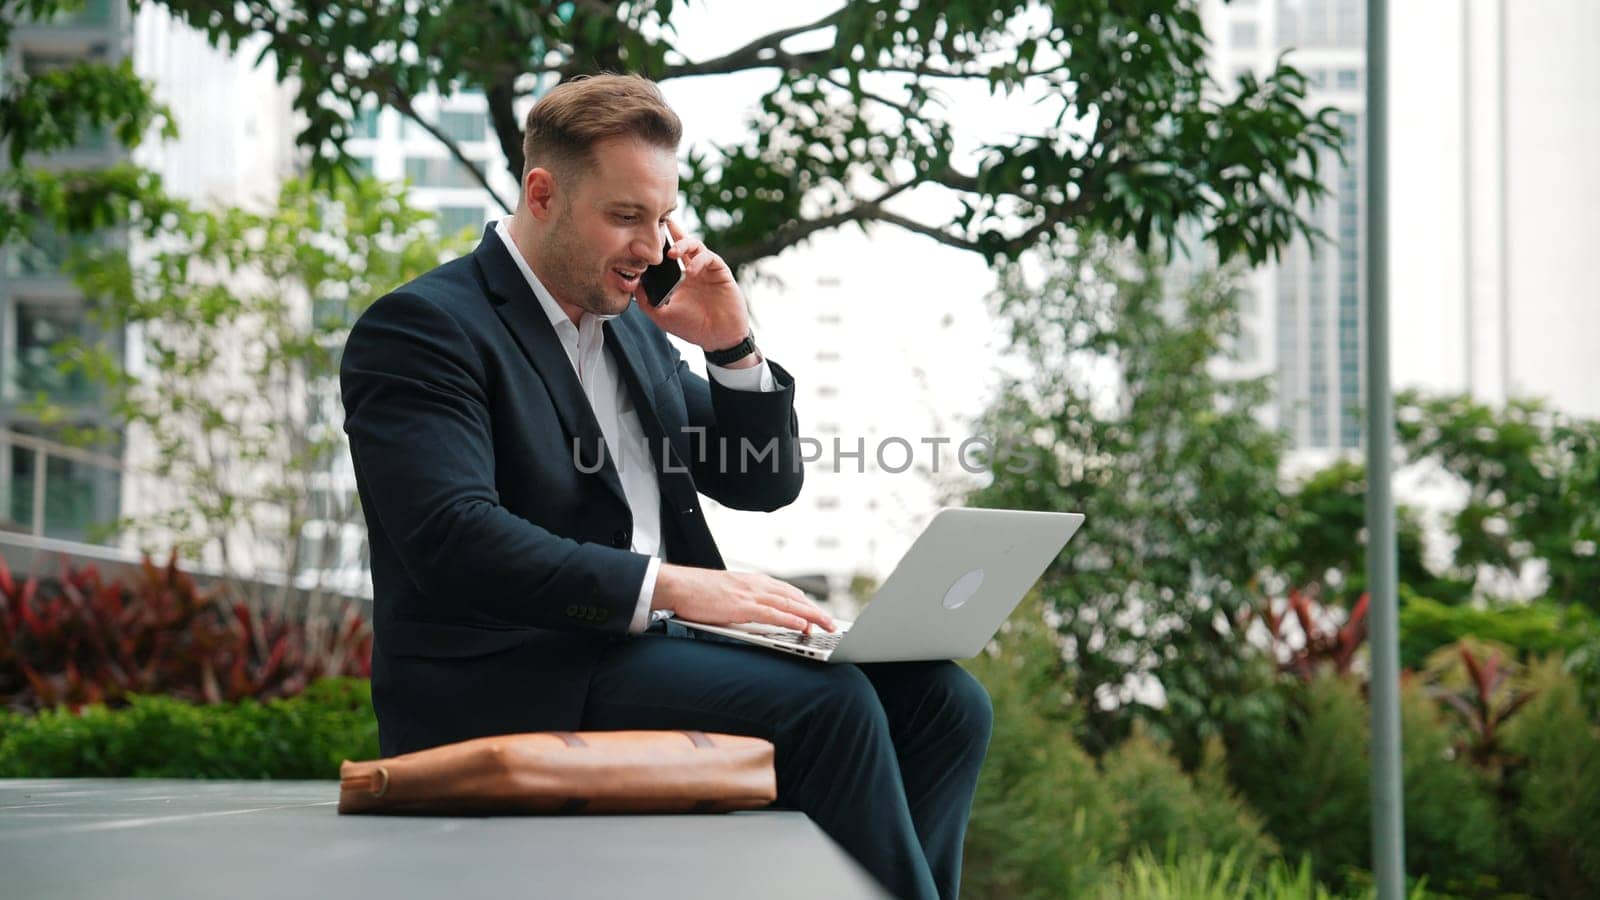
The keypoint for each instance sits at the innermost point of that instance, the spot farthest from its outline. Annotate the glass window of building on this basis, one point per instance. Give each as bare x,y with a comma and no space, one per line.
463,126
1348,80
1243,35
438,172
41,254
366,124
456,219
31,363
86,14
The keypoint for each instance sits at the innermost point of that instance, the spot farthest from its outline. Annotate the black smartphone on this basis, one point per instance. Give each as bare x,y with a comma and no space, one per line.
661,279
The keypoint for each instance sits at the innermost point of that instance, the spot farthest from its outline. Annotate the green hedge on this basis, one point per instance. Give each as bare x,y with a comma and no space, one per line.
1537,628
158,737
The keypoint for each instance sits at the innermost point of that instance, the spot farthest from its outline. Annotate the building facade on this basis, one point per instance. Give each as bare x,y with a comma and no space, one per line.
40,306
1493,117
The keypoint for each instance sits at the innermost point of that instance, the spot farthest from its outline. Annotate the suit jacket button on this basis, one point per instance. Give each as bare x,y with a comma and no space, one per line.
619,539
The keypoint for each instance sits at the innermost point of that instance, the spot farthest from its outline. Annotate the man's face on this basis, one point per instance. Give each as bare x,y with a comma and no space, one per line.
609,226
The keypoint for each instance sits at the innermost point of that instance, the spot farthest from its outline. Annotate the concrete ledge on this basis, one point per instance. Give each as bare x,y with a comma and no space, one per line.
131,838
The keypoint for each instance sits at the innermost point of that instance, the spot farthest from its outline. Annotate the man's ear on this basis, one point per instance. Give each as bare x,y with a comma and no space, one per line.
539,193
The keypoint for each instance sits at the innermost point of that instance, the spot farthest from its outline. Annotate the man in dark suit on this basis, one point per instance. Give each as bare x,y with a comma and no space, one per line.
530,450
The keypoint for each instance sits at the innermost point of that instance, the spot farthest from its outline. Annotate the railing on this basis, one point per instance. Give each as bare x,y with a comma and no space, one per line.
46,519
43,450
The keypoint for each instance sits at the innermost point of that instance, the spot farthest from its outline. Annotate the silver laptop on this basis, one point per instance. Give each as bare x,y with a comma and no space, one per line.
945,598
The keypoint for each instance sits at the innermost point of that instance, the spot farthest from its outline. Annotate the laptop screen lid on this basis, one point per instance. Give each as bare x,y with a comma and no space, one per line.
961,578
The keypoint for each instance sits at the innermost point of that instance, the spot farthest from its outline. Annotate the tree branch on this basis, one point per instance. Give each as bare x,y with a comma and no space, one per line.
402,102
502,96
761,52
791,233
940,235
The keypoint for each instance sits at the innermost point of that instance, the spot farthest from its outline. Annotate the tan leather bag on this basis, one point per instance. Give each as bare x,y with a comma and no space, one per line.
568,772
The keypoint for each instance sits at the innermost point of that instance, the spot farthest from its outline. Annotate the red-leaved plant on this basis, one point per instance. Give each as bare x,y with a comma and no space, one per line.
1491,694
81,639
1323,646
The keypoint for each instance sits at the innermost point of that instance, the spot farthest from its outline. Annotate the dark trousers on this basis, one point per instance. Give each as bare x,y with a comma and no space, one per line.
884,757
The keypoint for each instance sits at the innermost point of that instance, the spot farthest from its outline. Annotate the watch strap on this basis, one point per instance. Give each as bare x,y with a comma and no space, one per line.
732,354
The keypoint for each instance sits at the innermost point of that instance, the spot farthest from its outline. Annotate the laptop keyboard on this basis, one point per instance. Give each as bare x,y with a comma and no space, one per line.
821,640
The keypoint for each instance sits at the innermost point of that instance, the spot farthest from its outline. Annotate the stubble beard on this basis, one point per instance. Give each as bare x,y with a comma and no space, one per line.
588,291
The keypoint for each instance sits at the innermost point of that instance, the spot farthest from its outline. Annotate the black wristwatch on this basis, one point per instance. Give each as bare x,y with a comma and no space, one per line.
732,354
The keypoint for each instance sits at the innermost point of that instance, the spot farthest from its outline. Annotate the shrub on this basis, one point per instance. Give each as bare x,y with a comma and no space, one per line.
1455,833
1204,876
161,737
80,639
1043,823
1309,781
1558,791
1312,785
1047,821
1167,811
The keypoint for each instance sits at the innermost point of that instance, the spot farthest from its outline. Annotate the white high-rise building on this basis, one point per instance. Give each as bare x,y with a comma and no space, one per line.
1494,118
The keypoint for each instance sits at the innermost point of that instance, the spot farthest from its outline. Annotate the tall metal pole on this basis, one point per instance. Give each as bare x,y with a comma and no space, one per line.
1388,833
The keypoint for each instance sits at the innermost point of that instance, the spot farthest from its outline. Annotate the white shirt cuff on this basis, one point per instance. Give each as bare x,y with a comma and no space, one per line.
754,378
647,593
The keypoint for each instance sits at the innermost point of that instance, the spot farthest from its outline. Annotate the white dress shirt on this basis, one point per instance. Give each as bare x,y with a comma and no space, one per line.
626,443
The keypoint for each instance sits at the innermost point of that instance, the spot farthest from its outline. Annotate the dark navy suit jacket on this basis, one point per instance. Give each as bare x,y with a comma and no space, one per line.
500,567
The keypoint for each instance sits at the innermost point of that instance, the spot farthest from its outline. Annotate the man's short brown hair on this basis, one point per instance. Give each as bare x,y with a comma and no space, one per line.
565,124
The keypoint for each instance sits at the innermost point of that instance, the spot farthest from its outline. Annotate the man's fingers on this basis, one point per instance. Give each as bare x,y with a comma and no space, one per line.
804,608
702,262
766,614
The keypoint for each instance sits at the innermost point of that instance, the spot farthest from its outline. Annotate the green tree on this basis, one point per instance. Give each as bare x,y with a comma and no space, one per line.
1531,476
240,316
1123,418
1143,139
1326,550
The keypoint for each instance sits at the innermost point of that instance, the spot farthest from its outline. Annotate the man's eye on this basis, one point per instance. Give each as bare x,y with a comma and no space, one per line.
628,219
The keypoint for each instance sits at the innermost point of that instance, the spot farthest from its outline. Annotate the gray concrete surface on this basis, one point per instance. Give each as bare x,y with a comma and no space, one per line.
136,838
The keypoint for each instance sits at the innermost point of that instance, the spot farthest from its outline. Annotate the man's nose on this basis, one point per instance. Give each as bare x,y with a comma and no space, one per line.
648,246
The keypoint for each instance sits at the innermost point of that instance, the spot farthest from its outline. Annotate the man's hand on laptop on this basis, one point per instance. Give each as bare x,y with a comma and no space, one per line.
715,597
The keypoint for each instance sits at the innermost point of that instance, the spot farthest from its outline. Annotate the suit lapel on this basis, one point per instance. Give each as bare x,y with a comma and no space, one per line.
620,342
526,319
679,497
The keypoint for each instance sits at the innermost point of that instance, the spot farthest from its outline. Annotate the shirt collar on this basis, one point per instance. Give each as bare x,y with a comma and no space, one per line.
552,309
